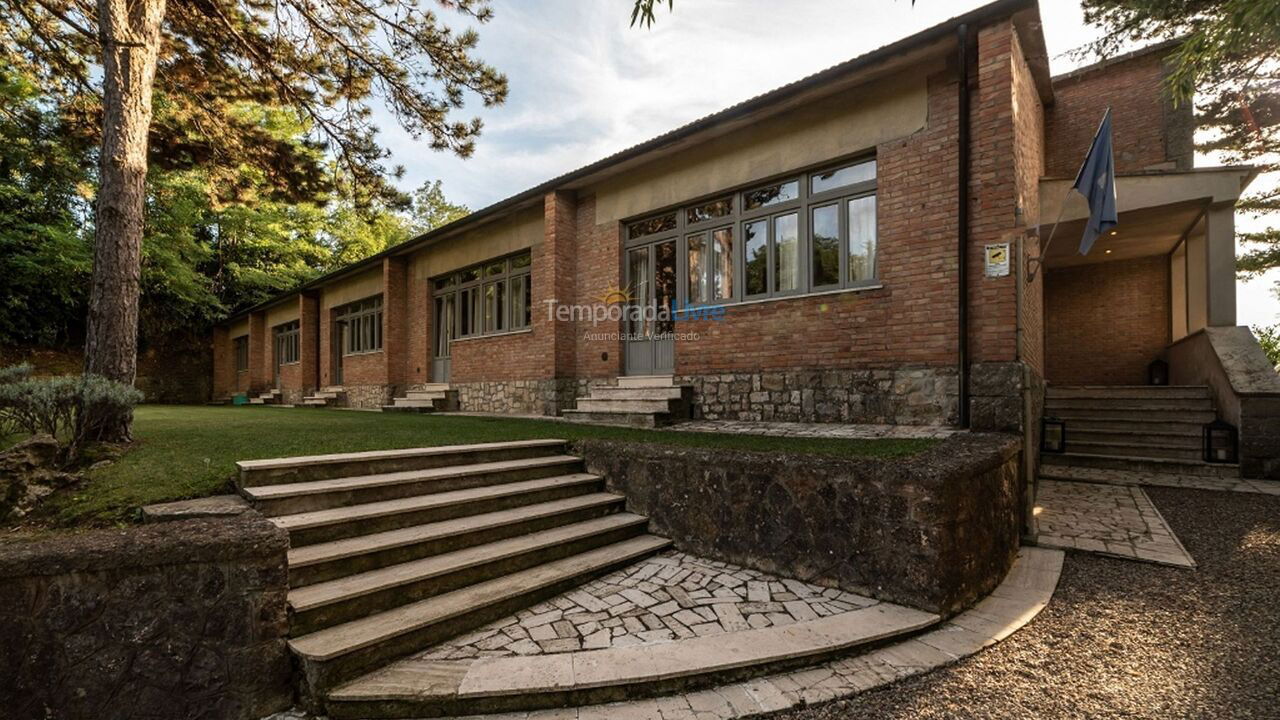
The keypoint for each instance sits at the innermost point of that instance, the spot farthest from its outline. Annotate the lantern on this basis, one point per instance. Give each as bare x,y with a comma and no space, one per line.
1221,442
1053,435
1158,373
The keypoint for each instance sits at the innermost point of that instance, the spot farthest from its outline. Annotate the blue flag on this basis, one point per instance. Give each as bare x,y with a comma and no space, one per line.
1096,181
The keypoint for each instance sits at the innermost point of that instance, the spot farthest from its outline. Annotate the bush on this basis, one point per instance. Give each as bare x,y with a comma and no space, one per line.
1269,339
54,405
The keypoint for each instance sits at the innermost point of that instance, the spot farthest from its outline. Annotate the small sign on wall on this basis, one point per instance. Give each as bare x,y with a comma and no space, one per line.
997,257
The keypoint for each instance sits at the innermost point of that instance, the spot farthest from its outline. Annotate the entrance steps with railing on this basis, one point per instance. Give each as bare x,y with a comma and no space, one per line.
637,401
1140,428
432,397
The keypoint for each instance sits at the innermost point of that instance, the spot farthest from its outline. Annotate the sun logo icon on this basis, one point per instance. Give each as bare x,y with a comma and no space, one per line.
615,295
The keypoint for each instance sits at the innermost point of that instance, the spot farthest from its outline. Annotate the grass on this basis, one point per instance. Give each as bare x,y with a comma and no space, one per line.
190,451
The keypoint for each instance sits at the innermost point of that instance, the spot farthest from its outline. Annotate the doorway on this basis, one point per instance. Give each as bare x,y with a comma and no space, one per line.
649,323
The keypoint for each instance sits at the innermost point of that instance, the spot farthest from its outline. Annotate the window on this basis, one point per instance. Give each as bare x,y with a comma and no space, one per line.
814,232
363,326
242,353
492,297
288,338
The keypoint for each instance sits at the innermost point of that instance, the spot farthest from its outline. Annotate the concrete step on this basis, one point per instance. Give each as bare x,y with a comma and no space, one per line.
330,603
1125,449
302,497
321,467
426,395
326,561
1137,413
516,685
257,401
1186,436
340,653
622,419
1147,392
641,393
413,403
337,523
434,387
311,401
1141,464
646,381
1153,427
1053,405
594,405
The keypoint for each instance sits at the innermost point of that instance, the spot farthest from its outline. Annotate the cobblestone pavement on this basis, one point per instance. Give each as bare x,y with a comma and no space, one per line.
665,598
818,430
1151,479
1111,520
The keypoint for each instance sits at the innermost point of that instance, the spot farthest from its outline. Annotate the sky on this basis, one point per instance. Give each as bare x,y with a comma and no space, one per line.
584,84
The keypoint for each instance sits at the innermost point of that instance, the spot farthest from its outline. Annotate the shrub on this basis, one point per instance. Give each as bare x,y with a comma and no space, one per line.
1269,339
54,405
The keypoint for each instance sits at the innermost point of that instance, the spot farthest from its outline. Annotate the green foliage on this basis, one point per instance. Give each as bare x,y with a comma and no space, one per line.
431,209
642,14
1269,339
53,405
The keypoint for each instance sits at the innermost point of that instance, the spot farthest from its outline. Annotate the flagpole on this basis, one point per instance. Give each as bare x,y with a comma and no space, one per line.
1062,207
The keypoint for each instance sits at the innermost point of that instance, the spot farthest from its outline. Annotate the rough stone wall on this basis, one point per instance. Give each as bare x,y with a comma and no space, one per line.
1107,321
527,397
907,396
1147,130
170,621
368,397
936,530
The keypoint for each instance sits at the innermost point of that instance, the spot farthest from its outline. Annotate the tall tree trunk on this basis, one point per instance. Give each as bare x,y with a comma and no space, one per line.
130,36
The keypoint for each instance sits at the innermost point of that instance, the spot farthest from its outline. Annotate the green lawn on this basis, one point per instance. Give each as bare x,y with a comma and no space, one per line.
190,451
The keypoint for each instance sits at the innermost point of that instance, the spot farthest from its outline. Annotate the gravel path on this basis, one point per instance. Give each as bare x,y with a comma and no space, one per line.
1128,639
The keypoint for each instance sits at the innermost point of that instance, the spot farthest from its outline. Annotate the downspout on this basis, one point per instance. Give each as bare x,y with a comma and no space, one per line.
962,220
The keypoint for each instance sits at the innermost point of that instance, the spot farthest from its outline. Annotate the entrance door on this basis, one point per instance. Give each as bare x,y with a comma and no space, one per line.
651,276
445,329
339,344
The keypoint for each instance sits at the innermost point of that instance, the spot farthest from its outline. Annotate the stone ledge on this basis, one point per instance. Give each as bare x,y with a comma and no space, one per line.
210,507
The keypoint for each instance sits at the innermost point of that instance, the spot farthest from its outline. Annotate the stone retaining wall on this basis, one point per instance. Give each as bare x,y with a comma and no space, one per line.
167,621
936,530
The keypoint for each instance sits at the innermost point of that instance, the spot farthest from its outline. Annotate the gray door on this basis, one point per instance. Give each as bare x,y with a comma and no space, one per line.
446,326
649,326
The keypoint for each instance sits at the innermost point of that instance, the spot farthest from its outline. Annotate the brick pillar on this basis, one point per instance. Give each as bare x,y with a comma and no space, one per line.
325,341
259,353
224,363
309,342
395,310
553,278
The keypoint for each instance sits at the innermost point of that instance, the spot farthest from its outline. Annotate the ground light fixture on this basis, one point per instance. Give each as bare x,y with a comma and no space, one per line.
1053,435
1221,442
1158,373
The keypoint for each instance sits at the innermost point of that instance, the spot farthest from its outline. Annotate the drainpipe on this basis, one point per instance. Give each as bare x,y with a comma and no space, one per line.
962,219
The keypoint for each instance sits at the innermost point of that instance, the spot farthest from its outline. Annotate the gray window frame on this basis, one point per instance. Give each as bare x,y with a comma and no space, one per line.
361,316
512,311
288,342
240,347
802,206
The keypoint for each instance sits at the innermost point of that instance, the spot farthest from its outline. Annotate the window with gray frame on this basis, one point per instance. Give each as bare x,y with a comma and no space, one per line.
811,232
288,338
242,353
364,326
493,297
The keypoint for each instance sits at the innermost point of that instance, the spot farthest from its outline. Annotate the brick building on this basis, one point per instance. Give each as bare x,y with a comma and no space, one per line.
852,247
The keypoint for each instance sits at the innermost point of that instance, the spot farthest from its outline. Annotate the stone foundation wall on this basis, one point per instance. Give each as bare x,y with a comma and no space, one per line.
175,620
906,396
936,530
368,397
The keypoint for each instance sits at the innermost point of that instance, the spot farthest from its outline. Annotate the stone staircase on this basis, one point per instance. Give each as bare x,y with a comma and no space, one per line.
325,397
393,551
1153,429
270,397
637,401
432,397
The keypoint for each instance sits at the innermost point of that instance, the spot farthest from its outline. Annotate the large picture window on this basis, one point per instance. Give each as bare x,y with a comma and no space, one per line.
493,297
363,321
288,337
811,232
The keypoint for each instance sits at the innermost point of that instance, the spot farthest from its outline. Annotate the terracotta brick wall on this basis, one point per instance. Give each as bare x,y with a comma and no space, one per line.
395,311
1147,129
1028,167
364,369
513,356
418,332
1107,321
599,250
309,342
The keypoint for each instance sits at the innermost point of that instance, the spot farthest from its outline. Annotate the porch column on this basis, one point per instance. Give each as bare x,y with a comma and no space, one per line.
260,376
1220,265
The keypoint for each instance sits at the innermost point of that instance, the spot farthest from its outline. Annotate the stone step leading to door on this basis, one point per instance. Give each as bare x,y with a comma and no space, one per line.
646,401
432,397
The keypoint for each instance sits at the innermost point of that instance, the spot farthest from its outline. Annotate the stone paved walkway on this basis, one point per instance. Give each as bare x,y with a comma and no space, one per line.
1194,482
665,598
1113,520
819,430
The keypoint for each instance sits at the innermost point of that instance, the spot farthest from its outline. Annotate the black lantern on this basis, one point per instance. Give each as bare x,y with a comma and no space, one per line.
1221,442
1158,373
1053,435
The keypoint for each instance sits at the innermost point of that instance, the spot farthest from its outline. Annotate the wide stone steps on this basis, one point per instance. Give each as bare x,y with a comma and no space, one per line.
325,561
1141,464
338,523
301,497
349,598
434,688
435,397
624,405
1128,449
639,393
320,467
1202,404
643,401
340,653
1132,413
1187,436
1141,392
270,397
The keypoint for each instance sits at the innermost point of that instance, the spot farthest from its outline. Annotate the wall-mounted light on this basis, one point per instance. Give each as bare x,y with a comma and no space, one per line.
1053,435
1221,442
